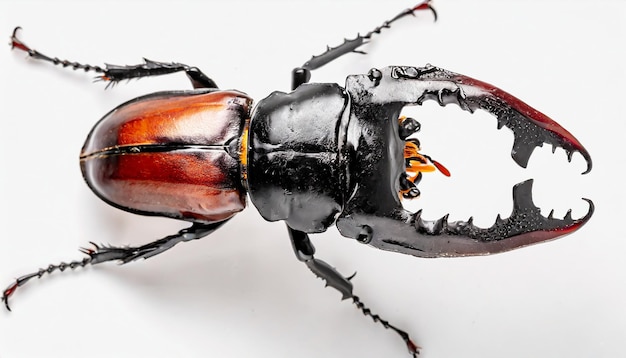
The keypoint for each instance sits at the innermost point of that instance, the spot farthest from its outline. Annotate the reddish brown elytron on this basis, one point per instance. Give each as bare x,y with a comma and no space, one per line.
173,154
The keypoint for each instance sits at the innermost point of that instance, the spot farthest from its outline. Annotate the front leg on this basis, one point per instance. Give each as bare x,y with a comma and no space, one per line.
302,74
304,250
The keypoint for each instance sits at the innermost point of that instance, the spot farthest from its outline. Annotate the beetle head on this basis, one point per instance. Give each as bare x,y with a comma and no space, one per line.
378,170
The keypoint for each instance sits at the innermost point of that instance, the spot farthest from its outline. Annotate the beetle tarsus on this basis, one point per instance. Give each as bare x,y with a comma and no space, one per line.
10,290
7,293
426,6
17,43
411,346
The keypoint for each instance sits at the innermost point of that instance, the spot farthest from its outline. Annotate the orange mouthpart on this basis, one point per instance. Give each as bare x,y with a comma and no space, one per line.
417,163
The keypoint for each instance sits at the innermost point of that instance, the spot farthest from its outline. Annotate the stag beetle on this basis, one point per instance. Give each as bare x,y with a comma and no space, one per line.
321,155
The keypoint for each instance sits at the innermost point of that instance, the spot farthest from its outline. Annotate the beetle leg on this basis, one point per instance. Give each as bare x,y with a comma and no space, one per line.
114,73
304,250
302,74
100,254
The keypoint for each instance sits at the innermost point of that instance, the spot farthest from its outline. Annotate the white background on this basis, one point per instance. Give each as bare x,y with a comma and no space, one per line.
240,292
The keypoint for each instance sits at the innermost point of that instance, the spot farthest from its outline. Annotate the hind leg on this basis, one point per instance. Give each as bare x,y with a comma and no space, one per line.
114,73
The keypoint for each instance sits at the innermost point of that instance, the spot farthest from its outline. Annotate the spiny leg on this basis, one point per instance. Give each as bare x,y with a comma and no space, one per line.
99,254
114,74
302,74
304,250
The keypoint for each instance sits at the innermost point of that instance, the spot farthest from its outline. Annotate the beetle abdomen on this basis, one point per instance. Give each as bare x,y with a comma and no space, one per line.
168,154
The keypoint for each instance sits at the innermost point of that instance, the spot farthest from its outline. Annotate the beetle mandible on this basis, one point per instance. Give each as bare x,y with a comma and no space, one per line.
319,156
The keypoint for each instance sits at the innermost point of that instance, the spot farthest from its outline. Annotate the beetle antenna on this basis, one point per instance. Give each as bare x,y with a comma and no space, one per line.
411,346
21,281
18,44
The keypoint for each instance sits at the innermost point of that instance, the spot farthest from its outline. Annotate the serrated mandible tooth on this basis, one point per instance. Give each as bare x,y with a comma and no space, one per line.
568,215
501,122
460,93
464,106
551,215
441,224
570,154
417,217
522,196
420,100
440,97
522,151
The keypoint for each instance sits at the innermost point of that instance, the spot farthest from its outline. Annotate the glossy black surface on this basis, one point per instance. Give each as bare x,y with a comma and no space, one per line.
295,169
375,215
